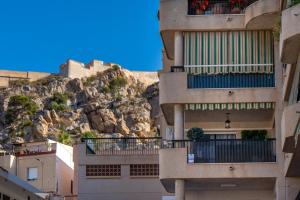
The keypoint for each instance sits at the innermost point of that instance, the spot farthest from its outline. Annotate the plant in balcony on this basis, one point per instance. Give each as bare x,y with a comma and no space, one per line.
294,2
196,134
235,6
254,134
199,6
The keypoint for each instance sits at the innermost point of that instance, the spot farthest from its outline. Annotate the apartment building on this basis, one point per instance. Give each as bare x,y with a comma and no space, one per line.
228,72
118,169
46,166
290,56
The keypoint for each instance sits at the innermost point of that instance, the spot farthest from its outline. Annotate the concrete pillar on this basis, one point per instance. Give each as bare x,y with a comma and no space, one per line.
178,49
179,190
178,122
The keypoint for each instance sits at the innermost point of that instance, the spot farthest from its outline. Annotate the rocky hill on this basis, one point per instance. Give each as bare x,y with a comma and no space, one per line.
109,104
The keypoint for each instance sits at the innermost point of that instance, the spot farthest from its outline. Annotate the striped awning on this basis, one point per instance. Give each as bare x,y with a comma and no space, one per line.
231,106
228,52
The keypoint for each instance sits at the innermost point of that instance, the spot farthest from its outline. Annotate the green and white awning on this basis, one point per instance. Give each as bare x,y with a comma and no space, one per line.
228,52
231,106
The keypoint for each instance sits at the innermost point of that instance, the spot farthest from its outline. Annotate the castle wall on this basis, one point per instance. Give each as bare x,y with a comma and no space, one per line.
8,75
73,69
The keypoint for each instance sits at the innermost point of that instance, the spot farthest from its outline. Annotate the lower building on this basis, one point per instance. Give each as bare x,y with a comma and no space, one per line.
118,169
47,166
12,187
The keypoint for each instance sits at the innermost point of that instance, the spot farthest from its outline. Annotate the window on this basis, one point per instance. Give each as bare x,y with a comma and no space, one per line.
103,170
144,170
32,174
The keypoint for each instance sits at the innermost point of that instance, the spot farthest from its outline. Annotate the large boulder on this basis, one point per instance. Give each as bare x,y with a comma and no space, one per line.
103,120
40,127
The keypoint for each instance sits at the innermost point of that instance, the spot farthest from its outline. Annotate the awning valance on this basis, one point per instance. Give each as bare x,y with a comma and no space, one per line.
228,52
231,106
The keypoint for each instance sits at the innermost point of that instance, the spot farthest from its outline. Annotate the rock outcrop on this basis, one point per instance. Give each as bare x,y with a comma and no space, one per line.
112,103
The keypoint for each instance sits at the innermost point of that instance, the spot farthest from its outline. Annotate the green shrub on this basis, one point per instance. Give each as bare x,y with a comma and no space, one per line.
18,82
64,138
294,2
115,67
105,89
20,105
89,80
88,134
254,134
195,134
117,83
26,122
60,98
59,101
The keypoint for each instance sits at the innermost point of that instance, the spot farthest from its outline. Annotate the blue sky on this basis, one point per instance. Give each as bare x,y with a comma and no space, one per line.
39,35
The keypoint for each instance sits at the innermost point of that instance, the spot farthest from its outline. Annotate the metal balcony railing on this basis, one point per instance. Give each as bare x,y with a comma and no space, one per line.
229,80
212,7
226,150
122,146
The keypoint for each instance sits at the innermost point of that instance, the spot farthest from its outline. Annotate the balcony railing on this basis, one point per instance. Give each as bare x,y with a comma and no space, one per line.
122,146
212,7
227,150
230,80
35,149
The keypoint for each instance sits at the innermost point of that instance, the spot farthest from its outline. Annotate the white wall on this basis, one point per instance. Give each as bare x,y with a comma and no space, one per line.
64,169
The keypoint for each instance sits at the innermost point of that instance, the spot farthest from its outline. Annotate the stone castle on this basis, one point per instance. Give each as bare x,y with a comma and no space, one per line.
74,69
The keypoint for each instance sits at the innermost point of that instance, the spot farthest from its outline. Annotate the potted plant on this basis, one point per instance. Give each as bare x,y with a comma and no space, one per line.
235,6
195,134
199,6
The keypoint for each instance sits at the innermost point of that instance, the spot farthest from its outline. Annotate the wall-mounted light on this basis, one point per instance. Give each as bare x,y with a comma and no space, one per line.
227,122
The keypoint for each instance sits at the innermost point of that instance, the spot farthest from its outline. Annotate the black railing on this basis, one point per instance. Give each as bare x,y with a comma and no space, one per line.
226,150
122,146
212,7
177,69
238,80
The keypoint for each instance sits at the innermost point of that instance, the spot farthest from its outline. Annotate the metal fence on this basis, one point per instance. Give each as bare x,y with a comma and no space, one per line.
122,146
226,150
231,80
212,7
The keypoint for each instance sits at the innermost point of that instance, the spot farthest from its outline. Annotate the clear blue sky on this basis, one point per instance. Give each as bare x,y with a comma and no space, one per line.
39,35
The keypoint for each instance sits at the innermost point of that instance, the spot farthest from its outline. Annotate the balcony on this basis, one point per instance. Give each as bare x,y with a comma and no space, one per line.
231,81
227,150
122,146
289,123
290,34
262,14
213,7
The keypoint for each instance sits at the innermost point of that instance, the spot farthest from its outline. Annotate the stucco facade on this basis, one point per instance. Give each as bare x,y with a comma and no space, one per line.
124,186
53,163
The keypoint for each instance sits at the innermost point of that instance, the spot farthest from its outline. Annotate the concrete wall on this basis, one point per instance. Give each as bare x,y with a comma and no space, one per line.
8,162
178,168
290,34
124,187
46,170
64,169
6,75
231,195
173,89
74,69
